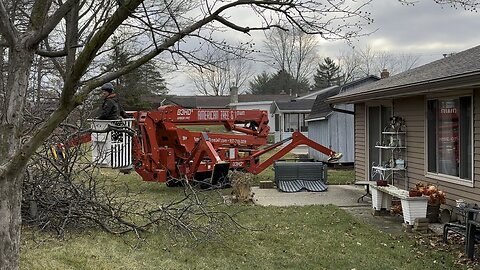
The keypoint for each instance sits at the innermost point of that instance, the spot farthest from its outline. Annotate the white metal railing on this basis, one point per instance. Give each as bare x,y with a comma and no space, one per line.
111,149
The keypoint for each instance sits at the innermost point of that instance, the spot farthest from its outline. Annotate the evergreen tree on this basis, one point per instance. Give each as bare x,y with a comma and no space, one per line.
327,74
260,84
281,82
136,88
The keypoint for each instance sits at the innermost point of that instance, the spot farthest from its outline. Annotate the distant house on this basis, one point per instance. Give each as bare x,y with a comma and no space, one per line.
198,102
290,116
440,105
332,128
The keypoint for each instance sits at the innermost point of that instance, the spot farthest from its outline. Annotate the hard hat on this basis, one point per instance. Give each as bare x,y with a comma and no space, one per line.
107,87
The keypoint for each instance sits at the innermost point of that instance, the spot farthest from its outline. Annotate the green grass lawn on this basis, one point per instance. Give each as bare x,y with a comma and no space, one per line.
340,176
311,237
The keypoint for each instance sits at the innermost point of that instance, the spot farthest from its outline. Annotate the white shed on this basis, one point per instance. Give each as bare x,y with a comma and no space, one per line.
334,127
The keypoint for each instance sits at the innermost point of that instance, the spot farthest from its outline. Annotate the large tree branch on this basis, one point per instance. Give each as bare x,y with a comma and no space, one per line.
93,46
6,27
245,30
39,13
51,54
164,46
51,22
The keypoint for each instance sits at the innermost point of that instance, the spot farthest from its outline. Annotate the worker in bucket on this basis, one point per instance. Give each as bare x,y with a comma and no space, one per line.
111,109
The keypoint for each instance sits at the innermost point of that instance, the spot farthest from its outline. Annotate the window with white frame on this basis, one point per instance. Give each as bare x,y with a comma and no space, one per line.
449,136
295,122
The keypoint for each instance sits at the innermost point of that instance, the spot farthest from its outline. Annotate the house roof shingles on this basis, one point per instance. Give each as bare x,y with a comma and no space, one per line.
221,101
295,105
322,109
460,69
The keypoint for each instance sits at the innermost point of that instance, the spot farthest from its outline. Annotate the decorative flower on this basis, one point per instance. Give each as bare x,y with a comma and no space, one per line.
435,196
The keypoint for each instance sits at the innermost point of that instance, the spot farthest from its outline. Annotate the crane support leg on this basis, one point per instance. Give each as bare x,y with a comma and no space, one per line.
205,147
296,140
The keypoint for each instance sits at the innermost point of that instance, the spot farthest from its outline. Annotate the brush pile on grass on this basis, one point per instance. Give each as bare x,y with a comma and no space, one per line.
70,192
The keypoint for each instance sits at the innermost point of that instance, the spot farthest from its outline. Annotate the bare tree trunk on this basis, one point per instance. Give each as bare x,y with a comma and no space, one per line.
10,221
20,62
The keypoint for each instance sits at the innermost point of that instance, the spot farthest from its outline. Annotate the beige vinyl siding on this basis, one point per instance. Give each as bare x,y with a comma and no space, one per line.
360,147
413,111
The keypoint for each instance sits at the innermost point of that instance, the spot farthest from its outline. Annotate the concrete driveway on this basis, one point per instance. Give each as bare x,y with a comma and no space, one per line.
339,195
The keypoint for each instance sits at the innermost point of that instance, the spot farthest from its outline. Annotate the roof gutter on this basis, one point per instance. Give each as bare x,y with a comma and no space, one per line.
315,119
454,82
332,106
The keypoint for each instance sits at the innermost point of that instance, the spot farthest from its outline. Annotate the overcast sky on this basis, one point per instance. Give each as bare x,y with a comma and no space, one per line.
426,30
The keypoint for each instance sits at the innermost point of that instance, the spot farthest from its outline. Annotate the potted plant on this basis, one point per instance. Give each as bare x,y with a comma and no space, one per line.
435,196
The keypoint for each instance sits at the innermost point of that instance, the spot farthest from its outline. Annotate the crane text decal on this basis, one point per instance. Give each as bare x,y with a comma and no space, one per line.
184,111
237,164
231,141
218,115
228,141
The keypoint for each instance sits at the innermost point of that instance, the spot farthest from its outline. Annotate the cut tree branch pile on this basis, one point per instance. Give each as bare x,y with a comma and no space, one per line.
71,193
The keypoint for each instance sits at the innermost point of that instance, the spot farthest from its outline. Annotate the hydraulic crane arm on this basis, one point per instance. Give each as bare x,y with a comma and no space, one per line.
296,140
255,121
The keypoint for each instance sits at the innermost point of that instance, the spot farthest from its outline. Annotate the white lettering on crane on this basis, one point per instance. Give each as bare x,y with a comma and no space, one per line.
208,115
225,115
237,164
184,111
238,113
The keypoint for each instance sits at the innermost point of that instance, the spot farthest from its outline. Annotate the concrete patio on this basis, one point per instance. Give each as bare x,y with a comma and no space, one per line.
339,195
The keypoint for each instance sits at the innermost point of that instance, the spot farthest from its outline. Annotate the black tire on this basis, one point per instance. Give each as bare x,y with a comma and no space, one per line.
173,183
206,183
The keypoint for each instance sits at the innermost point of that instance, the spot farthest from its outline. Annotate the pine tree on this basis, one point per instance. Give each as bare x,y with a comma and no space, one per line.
260,84
328,74
280,82
136,88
